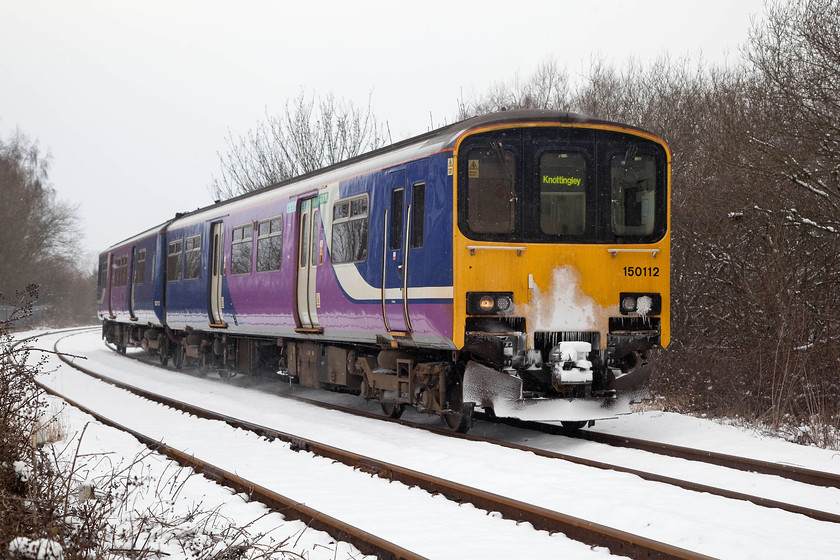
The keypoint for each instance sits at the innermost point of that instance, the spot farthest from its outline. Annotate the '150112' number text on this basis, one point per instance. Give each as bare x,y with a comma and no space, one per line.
641,271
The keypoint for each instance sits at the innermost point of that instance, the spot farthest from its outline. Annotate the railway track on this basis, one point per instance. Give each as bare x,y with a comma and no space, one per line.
745,464
338,529
582,530
617,541
790,472
291,509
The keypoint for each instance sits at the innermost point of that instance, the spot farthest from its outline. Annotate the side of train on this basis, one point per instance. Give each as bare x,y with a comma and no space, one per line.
517,262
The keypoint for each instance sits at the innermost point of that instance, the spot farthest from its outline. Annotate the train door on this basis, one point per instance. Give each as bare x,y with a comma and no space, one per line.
308,251
133,276
395,254
217,269
111,286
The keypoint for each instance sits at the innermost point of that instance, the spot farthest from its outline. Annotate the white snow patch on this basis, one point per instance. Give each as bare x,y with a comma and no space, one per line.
643,305
41,549
565,306
23,470
711,525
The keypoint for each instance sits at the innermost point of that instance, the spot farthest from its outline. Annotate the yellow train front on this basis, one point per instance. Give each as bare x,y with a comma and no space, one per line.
561,257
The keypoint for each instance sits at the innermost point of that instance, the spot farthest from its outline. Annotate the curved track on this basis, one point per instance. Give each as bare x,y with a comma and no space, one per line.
790,472
619,542
338,529
746,464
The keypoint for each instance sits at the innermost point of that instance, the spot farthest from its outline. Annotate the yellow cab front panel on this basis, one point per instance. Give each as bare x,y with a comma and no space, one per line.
561,259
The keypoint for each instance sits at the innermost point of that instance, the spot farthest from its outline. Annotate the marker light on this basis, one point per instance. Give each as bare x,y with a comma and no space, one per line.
640,304
503,303
489,303
644,304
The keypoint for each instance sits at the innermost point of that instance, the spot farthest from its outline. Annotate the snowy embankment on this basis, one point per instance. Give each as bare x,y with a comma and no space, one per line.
714,526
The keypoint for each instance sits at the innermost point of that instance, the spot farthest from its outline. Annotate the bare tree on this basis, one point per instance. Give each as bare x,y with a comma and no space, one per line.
795,58
38,228
755,200
39,234
547,88
310,134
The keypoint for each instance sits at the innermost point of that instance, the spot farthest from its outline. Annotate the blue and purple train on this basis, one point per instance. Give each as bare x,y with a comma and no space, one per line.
517,262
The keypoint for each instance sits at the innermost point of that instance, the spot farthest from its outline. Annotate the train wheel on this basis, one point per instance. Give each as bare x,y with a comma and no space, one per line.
461,420
393,409
573,426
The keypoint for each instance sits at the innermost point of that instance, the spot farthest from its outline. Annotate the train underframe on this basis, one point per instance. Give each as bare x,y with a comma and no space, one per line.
500,369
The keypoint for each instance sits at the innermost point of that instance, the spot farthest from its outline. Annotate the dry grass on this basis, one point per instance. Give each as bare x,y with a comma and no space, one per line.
59,504
50,428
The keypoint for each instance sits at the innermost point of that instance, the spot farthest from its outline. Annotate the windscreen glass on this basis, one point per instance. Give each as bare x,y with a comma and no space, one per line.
562,184
562,187
491,190
633,194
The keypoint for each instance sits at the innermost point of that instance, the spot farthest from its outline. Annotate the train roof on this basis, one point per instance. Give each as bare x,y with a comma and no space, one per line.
440,139
447,135
417,146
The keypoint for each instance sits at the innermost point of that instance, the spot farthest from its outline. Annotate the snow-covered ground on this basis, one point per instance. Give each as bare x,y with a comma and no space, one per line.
711,525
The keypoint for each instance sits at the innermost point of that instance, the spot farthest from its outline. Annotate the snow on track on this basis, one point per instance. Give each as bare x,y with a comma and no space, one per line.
714,526
427,524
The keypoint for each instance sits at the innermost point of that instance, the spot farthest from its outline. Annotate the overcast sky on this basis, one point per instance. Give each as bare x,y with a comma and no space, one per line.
135,99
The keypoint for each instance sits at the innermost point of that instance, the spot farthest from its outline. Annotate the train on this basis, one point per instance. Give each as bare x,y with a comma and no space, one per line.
514,263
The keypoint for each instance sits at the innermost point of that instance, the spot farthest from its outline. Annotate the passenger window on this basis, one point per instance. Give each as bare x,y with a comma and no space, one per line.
562,187
304,240
120,277
241,249
316,236
140,267
491,195
418,214
350,232
103,278
270,244
341,210
192,258
633,189
396,219
173,263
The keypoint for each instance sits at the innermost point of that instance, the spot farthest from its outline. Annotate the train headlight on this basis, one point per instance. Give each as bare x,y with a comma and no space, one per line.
486,304
640,304
489,303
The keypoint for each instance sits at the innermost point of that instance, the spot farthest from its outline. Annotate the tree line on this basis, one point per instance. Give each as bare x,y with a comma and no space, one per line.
39,236
755,207
755,211
755,204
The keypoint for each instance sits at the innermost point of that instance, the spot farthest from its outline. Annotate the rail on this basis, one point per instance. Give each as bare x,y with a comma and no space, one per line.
619,542
790,472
